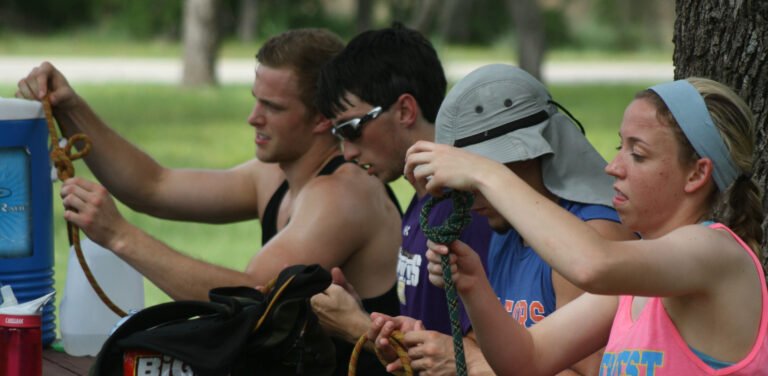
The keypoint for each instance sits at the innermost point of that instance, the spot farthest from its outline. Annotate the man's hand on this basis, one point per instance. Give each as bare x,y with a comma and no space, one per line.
89,206
46,79
339,309
431,352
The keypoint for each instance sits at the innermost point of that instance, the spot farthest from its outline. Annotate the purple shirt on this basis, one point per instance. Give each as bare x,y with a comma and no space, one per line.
418,297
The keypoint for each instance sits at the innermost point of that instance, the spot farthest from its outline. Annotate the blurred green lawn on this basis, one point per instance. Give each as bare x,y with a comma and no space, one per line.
184,127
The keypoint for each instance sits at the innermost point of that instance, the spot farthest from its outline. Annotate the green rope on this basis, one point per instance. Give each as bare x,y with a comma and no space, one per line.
446,233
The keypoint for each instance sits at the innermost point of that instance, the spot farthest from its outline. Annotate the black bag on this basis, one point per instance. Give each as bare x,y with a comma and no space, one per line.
239,332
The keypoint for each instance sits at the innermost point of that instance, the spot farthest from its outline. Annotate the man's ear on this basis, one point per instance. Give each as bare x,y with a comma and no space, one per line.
408,110
700,175
321,124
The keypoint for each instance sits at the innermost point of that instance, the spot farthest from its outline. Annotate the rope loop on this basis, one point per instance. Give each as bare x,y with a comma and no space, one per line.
83,151
450,230
62,158
396,340
446,233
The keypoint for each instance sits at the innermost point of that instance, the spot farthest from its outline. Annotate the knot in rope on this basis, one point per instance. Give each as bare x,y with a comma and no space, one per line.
450,230
62,158
447,233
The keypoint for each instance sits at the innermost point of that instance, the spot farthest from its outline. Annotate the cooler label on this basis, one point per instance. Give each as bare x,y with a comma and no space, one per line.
15,210
147,363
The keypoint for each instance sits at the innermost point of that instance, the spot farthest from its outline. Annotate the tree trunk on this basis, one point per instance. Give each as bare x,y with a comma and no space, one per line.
423,16
728,41
248,21
201,42
529,30
454,24
364,20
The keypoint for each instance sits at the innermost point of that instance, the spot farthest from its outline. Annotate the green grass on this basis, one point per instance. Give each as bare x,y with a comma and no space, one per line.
184,127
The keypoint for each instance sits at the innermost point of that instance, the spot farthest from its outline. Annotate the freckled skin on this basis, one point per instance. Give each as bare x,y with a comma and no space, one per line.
647,169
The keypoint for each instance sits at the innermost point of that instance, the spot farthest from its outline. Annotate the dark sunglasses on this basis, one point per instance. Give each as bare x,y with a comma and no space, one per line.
351,129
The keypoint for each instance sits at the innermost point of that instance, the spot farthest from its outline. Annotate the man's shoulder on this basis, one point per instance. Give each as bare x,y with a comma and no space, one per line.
348,178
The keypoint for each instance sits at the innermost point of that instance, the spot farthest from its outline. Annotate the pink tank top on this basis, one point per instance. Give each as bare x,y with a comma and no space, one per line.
653,346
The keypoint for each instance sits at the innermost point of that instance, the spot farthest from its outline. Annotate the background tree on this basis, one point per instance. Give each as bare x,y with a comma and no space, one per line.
247,22
531,39
728,42
454,20
201,42
364,19
423,15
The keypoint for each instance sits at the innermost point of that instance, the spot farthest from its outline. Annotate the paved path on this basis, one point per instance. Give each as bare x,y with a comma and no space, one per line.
96,70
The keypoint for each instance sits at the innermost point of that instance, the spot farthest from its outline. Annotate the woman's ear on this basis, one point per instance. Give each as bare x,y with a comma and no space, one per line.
700,175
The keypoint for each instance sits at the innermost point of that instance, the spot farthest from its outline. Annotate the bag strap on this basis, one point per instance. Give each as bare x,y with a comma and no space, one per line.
297,281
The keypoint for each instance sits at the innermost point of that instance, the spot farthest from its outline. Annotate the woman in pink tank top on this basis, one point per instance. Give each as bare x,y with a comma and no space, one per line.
689,298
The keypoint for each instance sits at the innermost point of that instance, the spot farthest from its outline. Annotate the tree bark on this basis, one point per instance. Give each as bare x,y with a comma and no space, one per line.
423,16
364,20
248,21
529,30
728,41
454,26
201,42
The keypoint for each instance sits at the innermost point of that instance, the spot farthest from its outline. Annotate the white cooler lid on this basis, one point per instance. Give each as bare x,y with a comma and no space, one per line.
20,109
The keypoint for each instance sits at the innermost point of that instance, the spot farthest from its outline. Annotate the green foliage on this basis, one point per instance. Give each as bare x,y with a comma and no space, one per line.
623,25
43,16
490,23
284,15
142,19
556,28
488,20
615,25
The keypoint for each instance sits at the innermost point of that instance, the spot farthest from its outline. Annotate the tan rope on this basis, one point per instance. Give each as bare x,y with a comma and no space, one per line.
396,340
62,159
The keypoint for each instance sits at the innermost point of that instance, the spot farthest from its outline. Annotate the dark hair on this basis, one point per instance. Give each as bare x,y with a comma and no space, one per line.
304,51
380,65
739,206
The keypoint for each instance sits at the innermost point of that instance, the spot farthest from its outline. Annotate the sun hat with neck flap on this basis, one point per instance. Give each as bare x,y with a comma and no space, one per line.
501,112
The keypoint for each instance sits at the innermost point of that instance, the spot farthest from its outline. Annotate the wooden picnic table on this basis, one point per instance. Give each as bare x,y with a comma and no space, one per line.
56,363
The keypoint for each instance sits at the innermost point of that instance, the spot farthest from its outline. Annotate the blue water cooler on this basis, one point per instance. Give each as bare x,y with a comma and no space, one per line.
26,206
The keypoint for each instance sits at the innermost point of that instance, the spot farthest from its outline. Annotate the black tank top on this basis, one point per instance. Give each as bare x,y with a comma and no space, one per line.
387,303
269,219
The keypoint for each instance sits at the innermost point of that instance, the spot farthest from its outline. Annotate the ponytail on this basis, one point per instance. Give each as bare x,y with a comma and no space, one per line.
740,208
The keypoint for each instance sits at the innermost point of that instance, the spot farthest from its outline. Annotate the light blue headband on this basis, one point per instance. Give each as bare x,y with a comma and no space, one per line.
690,111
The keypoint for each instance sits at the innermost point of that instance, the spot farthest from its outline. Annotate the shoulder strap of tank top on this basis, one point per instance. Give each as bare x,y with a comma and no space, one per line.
339,160
269,219
332,165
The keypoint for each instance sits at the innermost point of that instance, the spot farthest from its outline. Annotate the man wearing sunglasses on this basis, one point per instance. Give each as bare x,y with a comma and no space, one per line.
353,128
313,207
383,92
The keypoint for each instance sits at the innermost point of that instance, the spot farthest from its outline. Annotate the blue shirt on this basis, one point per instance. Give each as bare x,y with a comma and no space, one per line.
520,278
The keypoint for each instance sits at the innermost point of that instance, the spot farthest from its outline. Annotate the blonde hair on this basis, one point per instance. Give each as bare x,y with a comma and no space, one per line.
739,206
